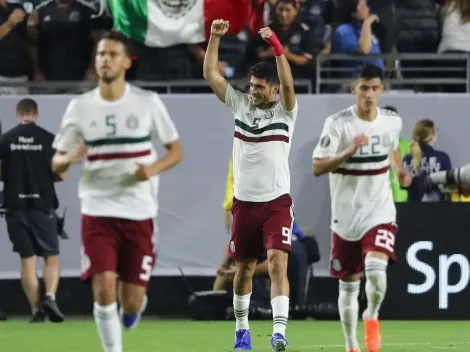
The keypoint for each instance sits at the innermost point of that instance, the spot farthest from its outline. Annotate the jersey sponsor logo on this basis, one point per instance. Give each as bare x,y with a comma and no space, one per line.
325,141
132,122
175,8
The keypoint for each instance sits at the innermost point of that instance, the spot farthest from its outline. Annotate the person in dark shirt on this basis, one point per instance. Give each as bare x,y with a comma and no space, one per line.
30,202
424,160
63,36
14,57
301,43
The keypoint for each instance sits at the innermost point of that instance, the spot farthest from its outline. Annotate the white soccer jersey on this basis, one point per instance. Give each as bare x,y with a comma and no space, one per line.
361,194
118,136
261,147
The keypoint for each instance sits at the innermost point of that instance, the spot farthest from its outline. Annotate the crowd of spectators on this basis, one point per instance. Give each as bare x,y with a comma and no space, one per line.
53,40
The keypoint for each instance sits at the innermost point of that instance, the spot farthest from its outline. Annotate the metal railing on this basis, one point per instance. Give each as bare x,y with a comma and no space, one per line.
407,70
168,87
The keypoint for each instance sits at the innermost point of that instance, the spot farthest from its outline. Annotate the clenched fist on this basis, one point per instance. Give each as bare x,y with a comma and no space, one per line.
219,28
265,33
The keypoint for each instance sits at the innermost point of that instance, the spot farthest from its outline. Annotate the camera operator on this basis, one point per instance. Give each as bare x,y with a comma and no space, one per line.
30,202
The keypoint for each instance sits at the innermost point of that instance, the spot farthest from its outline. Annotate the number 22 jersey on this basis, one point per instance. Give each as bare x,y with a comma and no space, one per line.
118,136
361,193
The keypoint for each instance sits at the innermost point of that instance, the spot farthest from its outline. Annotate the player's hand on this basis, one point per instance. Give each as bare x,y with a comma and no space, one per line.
265,33
404,178
219,28
76,155
226,270
16,17
143,172
371,19
357,142
228,221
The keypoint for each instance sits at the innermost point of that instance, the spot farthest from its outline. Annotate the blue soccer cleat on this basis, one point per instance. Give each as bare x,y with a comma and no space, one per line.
130,321
278,343
242,340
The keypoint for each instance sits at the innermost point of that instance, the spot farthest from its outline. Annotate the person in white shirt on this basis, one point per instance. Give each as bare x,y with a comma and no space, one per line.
262,207
357,147
112,127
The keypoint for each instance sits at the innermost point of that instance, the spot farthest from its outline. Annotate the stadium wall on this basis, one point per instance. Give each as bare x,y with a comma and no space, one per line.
191,217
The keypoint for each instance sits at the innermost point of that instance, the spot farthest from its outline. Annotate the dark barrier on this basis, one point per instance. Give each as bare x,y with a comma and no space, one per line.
431,279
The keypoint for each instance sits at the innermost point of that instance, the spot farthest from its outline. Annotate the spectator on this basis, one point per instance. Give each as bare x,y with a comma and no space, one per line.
424,159
63,38
455,38
14,57
355,36
385,10
301,43
399,195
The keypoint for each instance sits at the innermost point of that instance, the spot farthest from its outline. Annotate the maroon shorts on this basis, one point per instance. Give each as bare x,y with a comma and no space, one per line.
259,226
126,247
347,258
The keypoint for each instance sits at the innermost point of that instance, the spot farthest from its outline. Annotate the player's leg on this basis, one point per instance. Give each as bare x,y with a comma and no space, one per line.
277,229
136,261
346,265
99,263
44,228
246,245
23,244
378,248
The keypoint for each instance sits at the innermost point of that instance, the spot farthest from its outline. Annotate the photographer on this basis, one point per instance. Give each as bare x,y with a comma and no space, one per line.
30,202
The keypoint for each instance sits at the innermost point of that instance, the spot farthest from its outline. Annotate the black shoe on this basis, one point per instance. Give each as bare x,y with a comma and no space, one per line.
38,317
49,306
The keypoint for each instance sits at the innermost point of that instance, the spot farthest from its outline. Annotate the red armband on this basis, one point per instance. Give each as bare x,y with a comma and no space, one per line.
276,45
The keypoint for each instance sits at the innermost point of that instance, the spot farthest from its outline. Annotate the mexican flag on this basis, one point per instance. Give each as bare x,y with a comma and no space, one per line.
162,23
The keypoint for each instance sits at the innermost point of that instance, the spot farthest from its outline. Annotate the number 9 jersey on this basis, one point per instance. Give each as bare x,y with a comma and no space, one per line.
361,194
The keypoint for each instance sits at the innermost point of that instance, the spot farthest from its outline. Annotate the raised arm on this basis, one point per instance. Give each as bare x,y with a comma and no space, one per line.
211,60
286,80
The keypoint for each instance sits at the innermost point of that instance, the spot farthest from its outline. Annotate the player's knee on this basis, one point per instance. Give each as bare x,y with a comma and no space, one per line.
277,263
104,288
131,304
376,272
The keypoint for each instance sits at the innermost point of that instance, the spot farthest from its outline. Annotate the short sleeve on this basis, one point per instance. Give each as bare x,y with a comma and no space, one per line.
395,143
292,113
69,129
233,98
163,127
329,141
4,150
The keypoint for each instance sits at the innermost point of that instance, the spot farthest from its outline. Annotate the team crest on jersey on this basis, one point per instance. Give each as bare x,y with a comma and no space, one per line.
175,8
132,122
269,115
325,141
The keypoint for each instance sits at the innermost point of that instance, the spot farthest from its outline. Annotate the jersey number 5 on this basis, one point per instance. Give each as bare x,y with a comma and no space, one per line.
385,239
111,125
146,268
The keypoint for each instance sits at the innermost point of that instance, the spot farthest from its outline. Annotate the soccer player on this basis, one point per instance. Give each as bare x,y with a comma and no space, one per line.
119,184
262,207
357,147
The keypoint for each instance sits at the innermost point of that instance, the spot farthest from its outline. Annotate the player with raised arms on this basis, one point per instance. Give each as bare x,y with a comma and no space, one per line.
262,208
118,186
356,148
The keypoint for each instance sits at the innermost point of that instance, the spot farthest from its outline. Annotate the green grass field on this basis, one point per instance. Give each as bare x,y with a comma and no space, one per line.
185,336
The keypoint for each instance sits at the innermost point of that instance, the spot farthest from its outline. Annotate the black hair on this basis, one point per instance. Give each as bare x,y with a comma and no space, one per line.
346,10
265,70
370,71
27,106
116,36
391,108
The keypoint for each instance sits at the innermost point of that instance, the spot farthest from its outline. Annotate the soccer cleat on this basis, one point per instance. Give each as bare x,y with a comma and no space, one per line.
278,343
50,307
372,336
130,321
38,317
242,340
